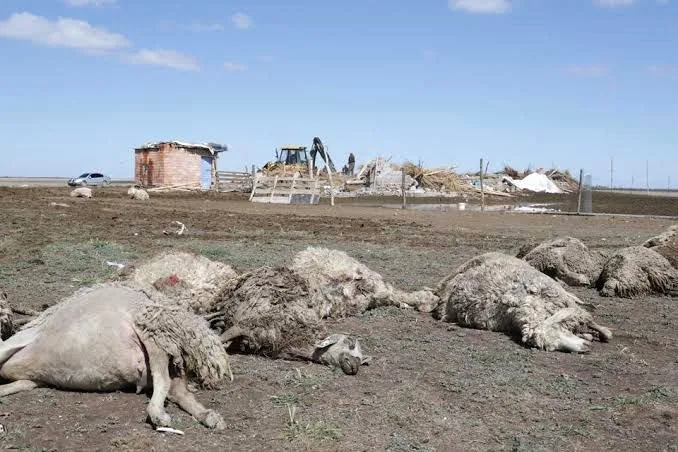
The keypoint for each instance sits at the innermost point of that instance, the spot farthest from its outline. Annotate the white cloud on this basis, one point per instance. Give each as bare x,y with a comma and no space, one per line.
481,6
613,3
91,2
62,32
198,27
587,70
166,58
234,67
241,21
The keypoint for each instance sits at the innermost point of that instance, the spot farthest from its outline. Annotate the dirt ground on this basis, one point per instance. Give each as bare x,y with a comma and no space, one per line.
431,386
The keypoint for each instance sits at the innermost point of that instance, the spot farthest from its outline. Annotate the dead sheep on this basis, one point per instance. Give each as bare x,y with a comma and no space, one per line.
137,193
7,326
636,271
114,337
81,192
344,287
663,238
502,293
666,244
568,260
185,276
270,312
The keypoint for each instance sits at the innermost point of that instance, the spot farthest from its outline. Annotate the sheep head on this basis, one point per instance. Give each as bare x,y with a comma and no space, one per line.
340,350
568,331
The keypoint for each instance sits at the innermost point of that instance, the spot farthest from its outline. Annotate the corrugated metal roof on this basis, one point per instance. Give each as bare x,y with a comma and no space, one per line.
211,147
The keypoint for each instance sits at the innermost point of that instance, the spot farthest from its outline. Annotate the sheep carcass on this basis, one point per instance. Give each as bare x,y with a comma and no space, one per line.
113,337
7,326
342,286
81,192
137,193
186,277
666,244
637,270
270,312
567,259
502,293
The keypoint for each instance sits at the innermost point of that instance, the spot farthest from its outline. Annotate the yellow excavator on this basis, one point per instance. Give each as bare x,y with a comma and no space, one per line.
296,158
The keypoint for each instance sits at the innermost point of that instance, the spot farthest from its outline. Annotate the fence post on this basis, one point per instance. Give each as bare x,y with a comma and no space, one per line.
581,182
482,188
329,175
402,187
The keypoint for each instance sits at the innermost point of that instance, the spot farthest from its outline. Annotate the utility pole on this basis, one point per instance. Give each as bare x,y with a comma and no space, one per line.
669,186
611,173
647,176
633,181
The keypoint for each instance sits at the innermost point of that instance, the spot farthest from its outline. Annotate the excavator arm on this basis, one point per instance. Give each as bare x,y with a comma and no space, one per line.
318,148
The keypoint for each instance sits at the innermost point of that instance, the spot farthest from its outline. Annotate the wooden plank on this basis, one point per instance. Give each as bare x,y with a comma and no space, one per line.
254,188
275,182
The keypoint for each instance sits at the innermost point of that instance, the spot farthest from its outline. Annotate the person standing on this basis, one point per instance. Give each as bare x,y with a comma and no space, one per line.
351,163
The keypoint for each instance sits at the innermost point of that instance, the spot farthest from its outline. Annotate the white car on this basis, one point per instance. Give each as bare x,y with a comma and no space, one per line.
89,179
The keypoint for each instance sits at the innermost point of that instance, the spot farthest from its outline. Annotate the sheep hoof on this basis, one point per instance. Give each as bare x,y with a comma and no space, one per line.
350,364
573,344
159,419
212,419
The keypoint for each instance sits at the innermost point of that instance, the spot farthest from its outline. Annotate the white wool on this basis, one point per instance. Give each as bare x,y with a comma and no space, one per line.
137,193
348,287
497,292
205,278
81,192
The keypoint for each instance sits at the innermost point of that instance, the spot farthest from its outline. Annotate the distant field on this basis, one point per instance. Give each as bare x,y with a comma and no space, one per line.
672,193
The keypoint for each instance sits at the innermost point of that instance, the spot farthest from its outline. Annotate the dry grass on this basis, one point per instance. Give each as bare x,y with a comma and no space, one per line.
438,179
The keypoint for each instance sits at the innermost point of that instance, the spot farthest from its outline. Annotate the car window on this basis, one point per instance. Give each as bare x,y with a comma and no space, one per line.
96,175
83,175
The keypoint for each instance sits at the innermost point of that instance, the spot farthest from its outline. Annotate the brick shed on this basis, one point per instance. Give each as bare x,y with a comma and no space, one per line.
170,163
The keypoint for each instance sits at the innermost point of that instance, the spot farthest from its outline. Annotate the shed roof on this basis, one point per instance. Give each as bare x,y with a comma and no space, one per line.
213,148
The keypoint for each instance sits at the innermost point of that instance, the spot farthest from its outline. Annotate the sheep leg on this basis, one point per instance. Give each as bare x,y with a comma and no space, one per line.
300,354
180,395
158,362
568,342
605,333
232,333
18,386
574,279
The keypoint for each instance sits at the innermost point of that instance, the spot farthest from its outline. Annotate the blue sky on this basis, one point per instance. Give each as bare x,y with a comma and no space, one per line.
525,82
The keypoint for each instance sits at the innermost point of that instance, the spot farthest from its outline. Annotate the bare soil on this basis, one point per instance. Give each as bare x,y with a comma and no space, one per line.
431,386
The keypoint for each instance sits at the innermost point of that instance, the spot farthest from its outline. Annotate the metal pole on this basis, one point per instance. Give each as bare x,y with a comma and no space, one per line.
581,183
647,176
611,172
482,188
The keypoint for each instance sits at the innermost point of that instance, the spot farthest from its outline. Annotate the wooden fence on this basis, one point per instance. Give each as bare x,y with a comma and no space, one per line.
285,190
234,181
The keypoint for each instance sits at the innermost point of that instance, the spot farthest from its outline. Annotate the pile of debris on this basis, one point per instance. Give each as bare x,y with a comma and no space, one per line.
443,180
539,181
380,176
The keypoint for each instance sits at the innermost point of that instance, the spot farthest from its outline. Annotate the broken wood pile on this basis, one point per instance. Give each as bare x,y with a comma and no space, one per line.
439,180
